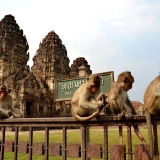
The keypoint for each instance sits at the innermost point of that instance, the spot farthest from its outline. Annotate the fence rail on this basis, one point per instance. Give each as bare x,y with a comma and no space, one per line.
85,149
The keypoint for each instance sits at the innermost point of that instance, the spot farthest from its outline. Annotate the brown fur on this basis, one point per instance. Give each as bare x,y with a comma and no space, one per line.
86,104
118,99
152,107
5,105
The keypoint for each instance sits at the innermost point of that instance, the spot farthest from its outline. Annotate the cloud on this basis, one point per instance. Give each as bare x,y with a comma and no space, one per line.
115,35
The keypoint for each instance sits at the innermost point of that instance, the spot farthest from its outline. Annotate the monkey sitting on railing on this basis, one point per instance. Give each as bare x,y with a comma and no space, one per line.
119,102
87,102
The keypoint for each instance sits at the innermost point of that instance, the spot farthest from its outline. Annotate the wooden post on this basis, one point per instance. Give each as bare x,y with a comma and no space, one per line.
121,134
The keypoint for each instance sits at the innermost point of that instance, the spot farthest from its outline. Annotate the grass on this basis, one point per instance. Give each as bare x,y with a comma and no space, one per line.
73,136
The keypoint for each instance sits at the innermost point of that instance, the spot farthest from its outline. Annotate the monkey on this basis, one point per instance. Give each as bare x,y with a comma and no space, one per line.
119,102
6,104
152,107
87,101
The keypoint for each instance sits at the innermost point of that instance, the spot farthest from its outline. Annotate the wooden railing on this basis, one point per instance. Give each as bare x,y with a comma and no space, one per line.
85,150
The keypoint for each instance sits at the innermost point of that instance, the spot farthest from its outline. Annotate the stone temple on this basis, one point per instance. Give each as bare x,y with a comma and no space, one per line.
32,88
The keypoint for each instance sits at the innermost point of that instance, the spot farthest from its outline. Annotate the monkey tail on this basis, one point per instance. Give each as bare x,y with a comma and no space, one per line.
78,118
150,134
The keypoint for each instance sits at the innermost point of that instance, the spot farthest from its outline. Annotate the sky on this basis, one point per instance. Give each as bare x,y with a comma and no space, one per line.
112,35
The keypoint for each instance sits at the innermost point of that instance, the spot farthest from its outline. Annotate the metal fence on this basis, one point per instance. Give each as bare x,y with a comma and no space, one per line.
85,150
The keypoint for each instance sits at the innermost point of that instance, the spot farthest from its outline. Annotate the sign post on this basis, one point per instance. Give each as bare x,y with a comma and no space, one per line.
64,89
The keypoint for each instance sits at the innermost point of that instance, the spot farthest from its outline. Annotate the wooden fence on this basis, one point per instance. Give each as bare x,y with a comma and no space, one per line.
85,150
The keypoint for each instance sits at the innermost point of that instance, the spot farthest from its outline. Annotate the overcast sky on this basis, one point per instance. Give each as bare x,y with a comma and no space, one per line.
112,35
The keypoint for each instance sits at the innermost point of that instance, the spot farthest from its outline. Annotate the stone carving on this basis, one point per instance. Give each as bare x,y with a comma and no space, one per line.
32,89
13,45
76,64
51,58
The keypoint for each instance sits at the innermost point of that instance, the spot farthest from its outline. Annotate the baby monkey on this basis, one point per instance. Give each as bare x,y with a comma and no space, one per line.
87,102
118,100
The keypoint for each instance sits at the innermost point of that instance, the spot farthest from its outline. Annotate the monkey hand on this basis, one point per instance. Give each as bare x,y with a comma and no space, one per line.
100,103
100,107
128,115
104,103
121,115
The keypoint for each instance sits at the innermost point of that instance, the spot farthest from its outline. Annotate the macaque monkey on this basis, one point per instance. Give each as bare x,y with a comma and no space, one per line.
119,102
152,107
87,102
6,106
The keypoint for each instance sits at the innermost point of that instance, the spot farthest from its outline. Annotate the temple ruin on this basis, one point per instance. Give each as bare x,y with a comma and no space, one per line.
32,88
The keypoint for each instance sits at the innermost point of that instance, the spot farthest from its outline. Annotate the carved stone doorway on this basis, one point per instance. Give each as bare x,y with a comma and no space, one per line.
29,108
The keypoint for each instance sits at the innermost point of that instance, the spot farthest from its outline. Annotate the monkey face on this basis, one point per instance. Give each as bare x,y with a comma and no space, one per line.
127,86
94,82
2,94
94,89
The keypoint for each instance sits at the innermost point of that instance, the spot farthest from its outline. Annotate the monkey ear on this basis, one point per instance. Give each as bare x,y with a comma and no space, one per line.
87,78
125,79
100,77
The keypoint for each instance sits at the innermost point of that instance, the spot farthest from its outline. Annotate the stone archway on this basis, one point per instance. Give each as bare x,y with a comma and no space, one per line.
29,108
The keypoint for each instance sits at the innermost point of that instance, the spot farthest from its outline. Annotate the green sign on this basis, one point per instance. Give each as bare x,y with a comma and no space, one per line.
66,88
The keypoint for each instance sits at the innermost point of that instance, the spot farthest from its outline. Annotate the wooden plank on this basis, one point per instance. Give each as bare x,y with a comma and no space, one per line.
105,143
16,143
64,144
46,143
129,137
83,143
30,143
3,129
